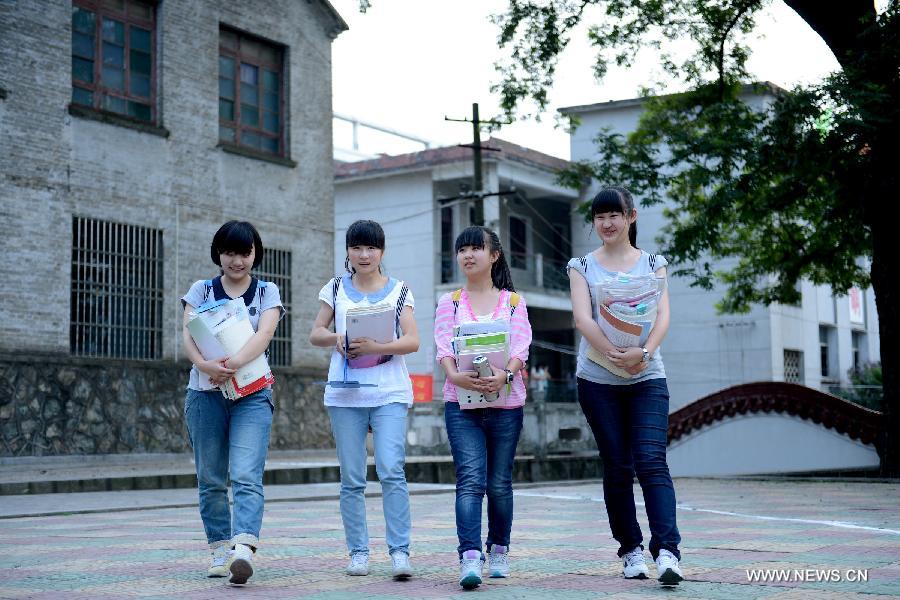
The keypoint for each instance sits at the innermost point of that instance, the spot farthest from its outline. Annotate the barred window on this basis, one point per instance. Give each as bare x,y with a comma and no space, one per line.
793,366
251,92
117,290
276,267
113,54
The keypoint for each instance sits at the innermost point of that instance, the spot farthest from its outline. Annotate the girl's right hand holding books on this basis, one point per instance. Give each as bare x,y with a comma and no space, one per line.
468,380
216,370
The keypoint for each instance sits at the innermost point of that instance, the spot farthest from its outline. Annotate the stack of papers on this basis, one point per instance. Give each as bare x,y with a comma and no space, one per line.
220,329
489,339
626,311
376,322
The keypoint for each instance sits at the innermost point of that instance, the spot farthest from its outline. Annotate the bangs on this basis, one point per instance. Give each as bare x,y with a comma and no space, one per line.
239,237
235,237
470,236
608,200
365,233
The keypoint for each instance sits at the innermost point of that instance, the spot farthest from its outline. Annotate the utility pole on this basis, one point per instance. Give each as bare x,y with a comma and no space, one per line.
478,190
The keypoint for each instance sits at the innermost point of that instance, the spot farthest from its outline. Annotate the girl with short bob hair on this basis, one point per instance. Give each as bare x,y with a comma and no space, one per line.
231,438
483,440
383,408
628,415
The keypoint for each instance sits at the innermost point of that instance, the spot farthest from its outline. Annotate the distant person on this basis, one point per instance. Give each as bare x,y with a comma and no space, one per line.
483,440
231,438
628,416
383,408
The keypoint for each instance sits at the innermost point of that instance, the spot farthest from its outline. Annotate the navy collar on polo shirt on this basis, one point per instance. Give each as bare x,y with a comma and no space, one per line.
219,291
356,296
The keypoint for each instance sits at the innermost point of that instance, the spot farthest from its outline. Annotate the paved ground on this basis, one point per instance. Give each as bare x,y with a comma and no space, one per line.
562,548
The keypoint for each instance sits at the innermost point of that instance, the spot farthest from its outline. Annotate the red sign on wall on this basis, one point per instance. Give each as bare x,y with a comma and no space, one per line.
422,385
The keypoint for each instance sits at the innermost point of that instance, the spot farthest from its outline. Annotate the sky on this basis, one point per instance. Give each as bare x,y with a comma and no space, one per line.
406,64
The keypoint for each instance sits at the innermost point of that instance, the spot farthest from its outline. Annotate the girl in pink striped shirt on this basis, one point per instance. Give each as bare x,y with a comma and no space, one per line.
483,440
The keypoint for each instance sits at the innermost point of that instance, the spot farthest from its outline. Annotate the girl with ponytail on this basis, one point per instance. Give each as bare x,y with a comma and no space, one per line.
483,440
628,414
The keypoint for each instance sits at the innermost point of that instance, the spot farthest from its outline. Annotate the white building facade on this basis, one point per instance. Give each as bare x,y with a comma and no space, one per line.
815,343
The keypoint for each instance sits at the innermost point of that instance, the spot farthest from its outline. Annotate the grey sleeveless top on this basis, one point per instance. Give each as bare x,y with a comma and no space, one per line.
591,270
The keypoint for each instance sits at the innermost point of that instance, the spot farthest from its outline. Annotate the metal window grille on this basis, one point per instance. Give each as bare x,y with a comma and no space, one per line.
116,290
793,366
276,267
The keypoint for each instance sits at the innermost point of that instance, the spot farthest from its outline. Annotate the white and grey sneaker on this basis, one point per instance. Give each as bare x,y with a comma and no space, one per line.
498,561
400,567
635,567
359,564
470,569
218,567
667,568
241,564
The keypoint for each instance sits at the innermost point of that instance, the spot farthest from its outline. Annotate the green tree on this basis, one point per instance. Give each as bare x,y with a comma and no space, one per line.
804,187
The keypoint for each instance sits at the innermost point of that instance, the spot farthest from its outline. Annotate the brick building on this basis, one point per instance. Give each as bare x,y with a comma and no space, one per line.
131,131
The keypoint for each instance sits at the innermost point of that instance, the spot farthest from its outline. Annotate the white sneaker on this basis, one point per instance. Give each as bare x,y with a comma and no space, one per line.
241,564
470,569
667,568
359,564
498,561
635,567
218,567
401,569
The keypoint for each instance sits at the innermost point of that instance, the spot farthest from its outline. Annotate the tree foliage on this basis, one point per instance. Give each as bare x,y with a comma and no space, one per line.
775,186
803,185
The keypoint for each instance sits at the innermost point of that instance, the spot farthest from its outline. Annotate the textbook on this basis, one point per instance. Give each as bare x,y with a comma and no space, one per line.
622,334
626,312
493,345
220,329
375,322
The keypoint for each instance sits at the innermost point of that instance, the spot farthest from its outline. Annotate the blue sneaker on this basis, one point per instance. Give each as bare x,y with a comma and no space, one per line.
470,569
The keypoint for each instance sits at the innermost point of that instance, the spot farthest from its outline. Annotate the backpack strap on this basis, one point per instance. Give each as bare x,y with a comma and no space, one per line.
400,302
513,303
652,259
455,296
207,289
335,286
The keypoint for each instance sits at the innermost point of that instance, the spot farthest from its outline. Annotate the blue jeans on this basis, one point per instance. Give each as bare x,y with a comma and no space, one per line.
230,436
349,426
630,424
483,443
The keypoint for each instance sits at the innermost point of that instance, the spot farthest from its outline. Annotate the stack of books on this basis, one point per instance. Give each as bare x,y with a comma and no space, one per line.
489,339
626,312
376,322
220,329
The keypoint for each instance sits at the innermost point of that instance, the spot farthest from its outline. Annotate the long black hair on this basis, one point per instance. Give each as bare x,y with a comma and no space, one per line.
363,233
480,237
236,236
615,199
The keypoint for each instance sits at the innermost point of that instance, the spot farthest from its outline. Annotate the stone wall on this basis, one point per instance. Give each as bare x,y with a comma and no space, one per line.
59,405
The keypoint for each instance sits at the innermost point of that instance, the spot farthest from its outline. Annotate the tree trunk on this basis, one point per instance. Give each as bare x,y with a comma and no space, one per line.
886,283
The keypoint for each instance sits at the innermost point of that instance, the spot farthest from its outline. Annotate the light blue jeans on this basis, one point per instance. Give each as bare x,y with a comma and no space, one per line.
229,436
350,426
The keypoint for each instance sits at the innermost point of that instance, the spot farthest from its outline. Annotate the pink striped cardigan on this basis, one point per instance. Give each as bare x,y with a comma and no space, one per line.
520,337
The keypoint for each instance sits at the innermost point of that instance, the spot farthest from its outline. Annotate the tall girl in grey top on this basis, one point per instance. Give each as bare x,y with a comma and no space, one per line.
628,415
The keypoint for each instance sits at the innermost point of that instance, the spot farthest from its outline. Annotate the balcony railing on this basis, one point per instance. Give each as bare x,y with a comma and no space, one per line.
528,270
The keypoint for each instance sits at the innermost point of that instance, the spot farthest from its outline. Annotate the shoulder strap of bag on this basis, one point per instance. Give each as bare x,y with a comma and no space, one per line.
455,296
513,303
400,302
335,286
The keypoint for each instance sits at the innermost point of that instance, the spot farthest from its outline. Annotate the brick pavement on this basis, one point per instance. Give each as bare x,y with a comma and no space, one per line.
561,549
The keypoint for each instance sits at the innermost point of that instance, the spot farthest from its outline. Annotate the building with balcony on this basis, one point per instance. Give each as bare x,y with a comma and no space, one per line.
417,199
